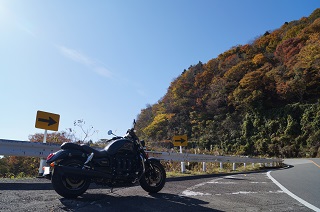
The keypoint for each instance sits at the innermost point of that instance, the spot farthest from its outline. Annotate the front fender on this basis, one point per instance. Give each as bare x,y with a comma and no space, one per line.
66,153
151,161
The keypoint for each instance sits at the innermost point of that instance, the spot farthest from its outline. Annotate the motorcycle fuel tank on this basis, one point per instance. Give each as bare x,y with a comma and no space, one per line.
120,146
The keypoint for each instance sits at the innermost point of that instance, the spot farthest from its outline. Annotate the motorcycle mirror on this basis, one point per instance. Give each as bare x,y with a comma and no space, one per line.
110,132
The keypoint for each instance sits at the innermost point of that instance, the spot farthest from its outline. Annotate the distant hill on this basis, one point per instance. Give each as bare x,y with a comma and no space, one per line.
260,98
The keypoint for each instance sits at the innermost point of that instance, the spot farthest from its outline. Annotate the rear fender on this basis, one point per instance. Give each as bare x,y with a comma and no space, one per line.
67,153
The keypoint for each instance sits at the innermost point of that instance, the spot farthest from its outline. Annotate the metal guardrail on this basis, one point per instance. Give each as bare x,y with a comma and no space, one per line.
42,150
186,157
26,148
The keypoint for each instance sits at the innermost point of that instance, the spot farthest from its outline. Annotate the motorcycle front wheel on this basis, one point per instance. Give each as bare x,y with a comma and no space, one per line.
69,187
154,178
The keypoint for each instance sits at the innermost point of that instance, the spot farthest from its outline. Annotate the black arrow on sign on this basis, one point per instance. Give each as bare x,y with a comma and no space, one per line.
50,121
181,140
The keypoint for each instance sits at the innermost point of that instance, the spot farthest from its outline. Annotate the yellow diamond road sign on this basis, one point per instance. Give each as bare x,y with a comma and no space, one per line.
180,140
47,121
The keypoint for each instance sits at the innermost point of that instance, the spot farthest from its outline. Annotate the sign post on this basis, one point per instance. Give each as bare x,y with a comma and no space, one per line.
46,121
181,140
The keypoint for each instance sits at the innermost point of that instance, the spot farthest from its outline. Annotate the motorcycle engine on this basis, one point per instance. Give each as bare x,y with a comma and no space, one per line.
125,165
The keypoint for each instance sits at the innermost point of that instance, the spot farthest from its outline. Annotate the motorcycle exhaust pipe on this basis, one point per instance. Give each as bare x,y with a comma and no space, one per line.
78,172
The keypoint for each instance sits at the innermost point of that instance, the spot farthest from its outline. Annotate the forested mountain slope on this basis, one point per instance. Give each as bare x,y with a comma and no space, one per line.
260,98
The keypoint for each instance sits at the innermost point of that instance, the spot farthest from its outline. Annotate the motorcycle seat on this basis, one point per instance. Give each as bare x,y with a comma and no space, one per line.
97,153
67,145
85,148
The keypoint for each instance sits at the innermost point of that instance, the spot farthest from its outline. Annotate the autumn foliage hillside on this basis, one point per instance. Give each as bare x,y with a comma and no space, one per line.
260,98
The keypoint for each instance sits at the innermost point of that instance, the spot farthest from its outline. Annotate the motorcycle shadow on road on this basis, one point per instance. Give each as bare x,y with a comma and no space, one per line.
152,202
205,176
22,186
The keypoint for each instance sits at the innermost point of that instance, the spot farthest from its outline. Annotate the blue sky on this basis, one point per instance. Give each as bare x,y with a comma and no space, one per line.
104,61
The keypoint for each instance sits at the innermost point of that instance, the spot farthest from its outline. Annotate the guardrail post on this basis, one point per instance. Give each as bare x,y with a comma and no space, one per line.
204,166
233,166
244,165
42,160
252,165
221,165
183,166
42,164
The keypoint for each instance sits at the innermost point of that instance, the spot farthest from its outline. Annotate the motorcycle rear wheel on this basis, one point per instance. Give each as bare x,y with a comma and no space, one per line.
153,180
69,187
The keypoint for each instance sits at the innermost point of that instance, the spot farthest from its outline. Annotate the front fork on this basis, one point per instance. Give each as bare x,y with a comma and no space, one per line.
151,170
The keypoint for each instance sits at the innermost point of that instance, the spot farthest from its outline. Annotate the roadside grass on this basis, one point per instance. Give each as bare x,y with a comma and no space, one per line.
173,169
20,175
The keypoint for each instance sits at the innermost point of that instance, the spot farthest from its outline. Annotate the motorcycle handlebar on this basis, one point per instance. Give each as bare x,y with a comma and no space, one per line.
132,134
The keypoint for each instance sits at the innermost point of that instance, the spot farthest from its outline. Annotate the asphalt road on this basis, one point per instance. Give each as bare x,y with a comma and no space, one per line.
302,178
230,192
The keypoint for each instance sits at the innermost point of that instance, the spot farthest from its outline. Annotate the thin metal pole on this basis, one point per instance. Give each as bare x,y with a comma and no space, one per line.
183,167
204,166
42,160
45,137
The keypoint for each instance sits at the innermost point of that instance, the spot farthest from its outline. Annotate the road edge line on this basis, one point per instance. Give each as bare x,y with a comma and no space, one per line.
305,203
315,163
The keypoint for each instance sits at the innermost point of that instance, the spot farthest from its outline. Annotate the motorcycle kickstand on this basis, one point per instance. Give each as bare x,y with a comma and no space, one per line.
111,189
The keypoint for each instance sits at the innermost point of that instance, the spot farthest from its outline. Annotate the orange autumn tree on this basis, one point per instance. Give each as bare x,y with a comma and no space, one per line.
251,99
55,137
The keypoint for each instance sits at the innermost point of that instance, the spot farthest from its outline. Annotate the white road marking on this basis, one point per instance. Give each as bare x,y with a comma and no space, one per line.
194,193
245,192
258,182
232,177
276,192
189,191
224,183
305,203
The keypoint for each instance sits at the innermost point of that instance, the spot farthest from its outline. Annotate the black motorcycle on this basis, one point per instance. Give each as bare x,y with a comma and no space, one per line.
123,162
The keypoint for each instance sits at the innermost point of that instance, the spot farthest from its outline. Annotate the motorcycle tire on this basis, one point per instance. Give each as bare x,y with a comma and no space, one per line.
153,181
69,187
